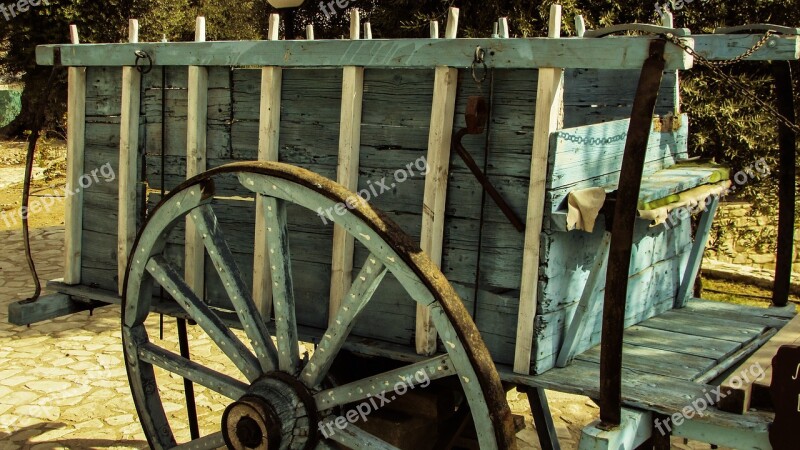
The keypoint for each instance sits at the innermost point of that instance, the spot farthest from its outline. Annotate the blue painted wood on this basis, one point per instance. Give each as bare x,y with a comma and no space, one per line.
696,257
619,53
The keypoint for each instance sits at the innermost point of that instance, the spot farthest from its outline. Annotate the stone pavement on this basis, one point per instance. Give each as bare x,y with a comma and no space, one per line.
63,383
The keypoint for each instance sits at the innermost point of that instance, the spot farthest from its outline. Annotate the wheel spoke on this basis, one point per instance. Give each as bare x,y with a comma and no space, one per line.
166,276
386,386
282,286
354,437
210,442
361,291
255,328
171,362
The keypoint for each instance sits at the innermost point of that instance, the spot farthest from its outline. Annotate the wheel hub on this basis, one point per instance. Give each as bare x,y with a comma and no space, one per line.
277,413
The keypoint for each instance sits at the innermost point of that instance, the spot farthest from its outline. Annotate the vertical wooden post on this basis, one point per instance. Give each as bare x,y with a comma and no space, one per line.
347,172
580,26
787,183
433,210
128,159
434,29
668,20
549,103
504,31
310,32
268,148
196,162
76,136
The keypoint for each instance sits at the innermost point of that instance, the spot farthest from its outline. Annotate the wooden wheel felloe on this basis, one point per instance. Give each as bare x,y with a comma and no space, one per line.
284,399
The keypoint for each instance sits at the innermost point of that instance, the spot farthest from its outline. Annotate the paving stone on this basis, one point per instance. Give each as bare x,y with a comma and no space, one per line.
48,386
41,411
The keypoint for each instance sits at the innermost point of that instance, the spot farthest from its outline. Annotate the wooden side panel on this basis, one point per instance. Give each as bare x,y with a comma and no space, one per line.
482,262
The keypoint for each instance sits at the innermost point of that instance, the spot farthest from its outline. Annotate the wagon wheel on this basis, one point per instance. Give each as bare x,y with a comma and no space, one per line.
285,401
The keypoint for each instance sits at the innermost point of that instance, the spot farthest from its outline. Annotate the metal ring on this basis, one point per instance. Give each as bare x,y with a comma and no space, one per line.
480,59
140,55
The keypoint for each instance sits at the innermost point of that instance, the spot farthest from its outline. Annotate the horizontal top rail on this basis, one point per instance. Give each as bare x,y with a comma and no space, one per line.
719,47
612,53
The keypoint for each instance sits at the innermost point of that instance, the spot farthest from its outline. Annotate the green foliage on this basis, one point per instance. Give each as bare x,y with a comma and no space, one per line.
725,124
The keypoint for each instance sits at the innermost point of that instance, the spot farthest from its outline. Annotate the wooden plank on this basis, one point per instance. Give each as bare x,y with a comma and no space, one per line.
698,249
76,139
603,144
268,150
656,361
685,322
689,344
746,314
347,171
741,393
718,47
549,103
128,160
434,202
196,161
530,53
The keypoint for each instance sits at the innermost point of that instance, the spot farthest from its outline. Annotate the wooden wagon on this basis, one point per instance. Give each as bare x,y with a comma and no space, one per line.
357,230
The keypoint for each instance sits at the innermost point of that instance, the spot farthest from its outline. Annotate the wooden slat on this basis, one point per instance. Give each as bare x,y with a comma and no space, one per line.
685,322
76,136
705,347
347,172
698,249
656,361
618,53
196,161
746,314
549,103
128,159
268,150
434,201
738,401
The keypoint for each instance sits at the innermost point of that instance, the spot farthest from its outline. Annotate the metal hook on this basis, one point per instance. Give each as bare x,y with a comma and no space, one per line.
140,55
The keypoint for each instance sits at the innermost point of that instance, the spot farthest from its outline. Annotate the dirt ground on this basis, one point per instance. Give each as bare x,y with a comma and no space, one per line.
120,430
47,188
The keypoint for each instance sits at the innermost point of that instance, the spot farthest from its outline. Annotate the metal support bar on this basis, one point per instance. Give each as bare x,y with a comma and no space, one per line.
787,140
548,439
619,259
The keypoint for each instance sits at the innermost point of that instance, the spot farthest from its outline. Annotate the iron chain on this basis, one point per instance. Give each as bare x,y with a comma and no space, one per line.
581,140
714,67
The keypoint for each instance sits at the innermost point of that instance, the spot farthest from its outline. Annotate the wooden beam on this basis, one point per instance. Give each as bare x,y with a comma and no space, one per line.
268,149
549,105
46,308
76,135
696,255
717,47
625,52
128,159
433,209
347,172
196,162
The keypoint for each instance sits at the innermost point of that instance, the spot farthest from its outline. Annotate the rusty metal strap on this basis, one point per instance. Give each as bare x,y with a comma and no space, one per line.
619,258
